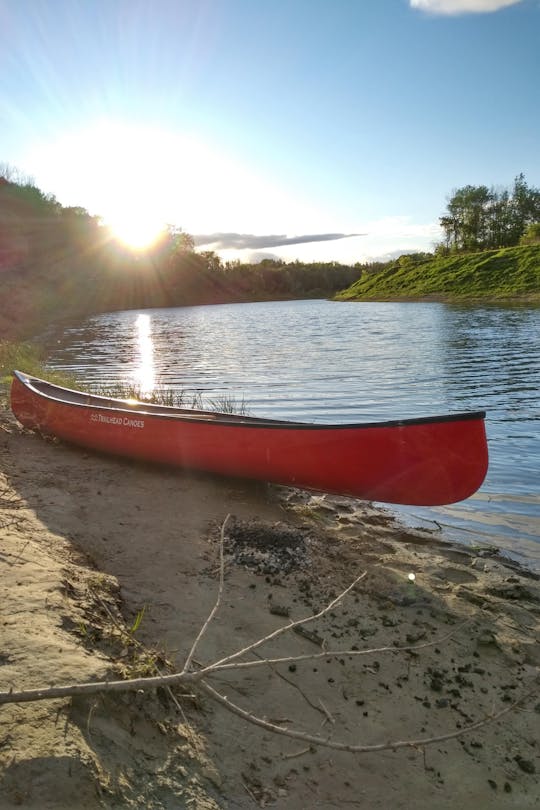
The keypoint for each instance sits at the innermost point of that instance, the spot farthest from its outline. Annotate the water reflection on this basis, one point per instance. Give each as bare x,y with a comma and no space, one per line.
144,375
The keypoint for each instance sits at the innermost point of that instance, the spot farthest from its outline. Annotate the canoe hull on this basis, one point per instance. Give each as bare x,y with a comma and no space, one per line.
420,462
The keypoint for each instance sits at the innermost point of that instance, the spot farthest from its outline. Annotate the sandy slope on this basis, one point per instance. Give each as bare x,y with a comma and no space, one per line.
88,541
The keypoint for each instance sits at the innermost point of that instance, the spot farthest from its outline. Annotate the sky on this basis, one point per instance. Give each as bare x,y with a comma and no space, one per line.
317,130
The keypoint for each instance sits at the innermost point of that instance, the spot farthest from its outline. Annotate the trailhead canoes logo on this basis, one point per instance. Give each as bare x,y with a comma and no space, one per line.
122,421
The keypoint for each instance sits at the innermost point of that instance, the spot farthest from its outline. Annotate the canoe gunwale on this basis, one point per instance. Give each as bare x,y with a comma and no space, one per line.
78,399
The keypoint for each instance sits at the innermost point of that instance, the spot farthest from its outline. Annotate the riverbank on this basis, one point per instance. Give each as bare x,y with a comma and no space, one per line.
88,542
504,276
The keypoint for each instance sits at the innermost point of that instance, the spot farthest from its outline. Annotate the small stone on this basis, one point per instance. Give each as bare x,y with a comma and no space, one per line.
486,639
280,610
525,764
211,773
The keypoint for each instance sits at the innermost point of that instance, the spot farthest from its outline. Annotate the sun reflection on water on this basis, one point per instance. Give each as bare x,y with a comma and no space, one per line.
145,373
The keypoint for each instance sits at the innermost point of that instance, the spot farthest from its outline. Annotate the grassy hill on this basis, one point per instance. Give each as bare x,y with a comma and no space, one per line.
494,274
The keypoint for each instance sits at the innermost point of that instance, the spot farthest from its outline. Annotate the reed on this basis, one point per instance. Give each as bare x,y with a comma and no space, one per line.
192,400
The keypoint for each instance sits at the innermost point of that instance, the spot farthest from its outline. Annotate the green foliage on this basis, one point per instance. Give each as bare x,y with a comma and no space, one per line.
478,218
531,235
505,273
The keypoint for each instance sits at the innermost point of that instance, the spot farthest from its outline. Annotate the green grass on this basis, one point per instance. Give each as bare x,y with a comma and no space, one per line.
509,273
28,357
18,355
176,399
25,357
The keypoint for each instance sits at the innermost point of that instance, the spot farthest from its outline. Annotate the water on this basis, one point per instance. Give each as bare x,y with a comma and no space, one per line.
350,362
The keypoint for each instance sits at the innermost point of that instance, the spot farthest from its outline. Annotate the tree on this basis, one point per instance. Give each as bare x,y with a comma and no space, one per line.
213,261
531,235
179,240
525,207
478,218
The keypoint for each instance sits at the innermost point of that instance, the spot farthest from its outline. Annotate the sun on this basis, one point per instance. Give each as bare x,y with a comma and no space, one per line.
125,177
138,231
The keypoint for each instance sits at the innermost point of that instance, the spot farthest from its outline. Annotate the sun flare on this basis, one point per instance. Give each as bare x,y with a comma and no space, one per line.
137,232
138,178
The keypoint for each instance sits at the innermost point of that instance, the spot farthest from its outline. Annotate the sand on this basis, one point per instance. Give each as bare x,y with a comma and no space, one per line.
96,550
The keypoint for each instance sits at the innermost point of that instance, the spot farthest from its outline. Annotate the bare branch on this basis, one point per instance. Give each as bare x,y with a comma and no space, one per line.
214,610
288,626
175,678
326,742
212,668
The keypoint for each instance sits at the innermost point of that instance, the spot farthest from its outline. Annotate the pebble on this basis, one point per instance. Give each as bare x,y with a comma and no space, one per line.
525,764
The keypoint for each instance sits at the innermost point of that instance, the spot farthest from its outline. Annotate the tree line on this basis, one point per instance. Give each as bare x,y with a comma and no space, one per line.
62,260
482,218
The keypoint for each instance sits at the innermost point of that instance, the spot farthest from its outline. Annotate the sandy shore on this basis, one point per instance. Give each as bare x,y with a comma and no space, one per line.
88,542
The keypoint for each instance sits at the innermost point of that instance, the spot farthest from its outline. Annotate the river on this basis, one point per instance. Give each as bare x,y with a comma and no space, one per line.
322,361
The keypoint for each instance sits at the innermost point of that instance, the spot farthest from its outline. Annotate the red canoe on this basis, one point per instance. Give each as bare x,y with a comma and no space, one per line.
426,462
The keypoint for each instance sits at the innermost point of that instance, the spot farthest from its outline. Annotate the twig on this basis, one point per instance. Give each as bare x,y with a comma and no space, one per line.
297,753
289,626
250,792
326,712
211,668
313,637
290,682
19,556
352,748
214,610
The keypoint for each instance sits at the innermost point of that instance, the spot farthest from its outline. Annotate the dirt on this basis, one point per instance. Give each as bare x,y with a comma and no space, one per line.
111,568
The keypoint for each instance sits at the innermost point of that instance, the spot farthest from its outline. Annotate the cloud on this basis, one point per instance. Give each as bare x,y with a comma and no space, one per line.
462,6
241,241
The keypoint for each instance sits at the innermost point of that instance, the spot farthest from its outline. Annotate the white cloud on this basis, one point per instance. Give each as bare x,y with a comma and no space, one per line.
383,238
462,6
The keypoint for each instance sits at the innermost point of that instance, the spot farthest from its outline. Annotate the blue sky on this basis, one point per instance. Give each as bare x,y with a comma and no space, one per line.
257,121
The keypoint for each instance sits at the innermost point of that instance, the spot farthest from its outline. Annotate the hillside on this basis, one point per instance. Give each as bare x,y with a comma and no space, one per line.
493,274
